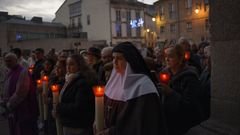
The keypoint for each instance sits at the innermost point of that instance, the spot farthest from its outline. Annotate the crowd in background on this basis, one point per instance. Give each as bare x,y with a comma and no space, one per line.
136,100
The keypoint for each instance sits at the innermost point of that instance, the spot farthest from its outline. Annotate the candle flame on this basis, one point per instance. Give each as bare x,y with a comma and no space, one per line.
98,91
39,81
45,78
55,88
187,55
164,78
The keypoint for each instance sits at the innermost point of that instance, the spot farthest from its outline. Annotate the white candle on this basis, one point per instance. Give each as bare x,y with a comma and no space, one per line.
55,93
40,101
45,91
99,107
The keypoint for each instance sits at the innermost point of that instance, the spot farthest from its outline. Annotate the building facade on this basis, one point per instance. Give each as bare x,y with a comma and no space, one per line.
188,18
17,32
113,21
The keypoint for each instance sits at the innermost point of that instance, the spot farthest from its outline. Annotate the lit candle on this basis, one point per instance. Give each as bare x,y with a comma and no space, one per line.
44,94
30,69
99,107
164,78
39,84
187,55
40,100
55,92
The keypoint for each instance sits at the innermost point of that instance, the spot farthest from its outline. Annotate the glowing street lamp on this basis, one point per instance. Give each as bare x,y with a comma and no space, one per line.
153,19
197,10
148,30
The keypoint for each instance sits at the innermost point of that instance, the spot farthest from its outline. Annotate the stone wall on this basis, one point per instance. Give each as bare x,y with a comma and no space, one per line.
225,41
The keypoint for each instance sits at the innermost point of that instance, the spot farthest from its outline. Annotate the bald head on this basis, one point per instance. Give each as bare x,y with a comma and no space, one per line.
106,54
11,60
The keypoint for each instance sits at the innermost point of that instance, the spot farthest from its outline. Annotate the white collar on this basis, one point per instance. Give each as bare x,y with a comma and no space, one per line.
128,86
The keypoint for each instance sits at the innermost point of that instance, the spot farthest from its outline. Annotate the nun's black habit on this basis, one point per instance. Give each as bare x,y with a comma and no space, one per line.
132,105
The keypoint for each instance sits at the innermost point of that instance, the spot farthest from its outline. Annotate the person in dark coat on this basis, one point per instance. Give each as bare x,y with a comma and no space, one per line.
194,58
181,106
132,105
76,109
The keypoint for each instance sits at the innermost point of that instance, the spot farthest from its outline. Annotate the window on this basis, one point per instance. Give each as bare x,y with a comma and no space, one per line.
206,5
88,19
129,30
206,2
123,14
137,15
188,3
72,22
171,10
119,29
138,31
75,9
172,27
118,15
207,24
79,22
189,6
189,26
162,29
161,10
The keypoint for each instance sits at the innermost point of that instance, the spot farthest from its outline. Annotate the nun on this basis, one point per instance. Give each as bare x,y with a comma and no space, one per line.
132,104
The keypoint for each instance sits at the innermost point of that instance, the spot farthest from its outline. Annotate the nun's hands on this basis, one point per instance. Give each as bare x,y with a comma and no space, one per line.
165,89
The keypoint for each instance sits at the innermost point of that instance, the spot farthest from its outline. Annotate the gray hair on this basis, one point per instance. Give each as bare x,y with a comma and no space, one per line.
107,50
11,55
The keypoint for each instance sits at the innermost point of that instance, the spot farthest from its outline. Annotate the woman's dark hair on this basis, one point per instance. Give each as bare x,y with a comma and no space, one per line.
51,62
133,57
84,69
62,62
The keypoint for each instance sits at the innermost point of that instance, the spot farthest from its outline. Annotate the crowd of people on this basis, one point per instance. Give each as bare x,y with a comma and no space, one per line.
136,100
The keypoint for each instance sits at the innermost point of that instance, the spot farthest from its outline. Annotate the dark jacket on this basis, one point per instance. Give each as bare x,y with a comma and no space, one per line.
77,107
182,108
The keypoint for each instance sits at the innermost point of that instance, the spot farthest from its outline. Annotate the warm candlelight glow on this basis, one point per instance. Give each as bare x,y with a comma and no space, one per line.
55,88
30,70
45,78
164,77
187,55
39,82
98,91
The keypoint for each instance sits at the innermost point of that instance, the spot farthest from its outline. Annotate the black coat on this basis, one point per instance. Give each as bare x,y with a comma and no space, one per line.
77,107
182,107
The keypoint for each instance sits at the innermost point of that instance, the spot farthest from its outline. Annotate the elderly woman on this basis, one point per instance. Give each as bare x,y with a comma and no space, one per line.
77,101
180,102
132,104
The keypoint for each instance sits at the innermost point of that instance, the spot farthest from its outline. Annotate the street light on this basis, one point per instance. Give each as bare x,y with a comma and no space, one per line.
197,10
153,19
148,30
